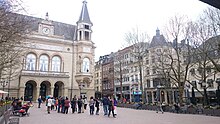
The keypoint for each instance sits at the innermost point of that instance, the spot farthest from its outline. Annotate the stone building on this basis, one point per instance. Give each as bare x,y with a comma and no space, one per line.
59,60
98,79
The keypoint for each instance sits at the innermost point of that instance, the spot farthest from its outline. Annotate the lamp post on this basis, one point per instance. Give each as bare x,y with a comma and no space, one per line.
80,90
218,91
3,83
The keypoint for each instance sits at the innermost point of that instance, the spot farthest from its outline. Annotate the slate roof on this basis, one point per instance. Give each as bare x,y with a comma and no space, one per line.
60,29
158,40
84,16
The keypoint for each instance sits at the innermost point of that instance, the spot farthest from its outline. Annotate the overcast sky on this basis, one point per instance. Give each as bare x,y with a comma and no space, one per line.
113,18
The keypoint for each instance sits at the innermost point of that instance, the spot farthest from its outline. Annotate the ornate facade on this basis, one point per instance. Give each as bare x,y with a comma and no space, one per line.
59,60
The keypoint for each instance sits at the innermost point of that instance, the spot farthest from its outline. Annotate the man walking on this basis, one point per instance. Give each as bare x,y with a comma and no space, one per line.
159,107
105,103
39,101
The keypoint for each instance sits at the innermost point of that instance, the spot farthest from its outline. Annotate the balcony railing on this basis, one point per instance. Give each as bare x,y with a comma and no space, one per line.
44,73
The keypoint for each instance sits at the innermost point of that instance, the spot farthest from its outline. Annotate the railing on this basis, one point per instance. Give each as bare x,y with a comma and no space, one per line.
44,73
167,108
4,108
5,112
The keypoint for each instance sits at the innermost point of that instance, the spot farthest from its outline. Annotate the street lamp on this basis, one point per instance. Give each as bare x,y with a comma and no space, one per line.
3,84
218,91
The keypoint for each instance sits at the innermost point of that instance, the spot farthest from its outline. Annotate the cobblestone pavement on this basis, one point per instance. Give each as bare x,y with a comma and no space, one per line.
125,116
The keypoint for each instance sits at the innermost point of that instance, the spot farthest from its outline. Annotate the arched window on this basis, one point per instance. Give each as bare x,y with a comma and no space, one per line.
30,62
56,63
85,67
44,63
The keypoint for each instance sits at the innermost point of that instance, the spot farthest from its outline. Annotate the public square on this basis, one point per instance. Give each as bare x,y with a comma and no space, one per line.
125,116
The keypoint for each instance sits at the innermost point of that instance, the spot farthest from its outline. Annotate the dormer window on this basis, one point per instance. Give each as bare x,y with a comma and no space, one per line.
86,26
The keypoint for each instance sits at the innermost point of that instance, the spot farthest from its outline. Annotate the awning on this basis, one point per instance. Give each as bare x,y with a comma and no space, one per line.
3,92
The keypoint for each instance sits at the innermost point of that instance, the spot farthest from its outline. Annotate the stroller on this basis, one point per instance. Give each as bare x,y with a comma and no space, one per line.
22,111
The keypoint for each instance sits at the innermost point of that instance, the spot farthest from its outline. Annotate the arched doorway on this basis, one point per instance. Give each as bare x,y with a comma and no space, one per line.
44,89
58,86
56,90
29,91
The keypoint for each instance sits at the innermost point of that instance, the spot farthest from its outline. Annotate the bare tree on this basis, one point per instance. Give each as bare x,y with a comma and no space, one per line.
139,42
14,29
178,30
205,54
210,19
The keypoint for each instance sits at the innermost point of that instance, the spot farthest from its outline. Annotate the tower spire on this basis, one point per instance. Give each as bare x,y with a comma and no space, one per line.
84,16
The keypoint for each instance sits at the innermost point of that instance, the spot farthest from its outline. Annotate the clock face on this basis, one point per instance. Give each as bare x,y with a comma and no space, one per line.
46,30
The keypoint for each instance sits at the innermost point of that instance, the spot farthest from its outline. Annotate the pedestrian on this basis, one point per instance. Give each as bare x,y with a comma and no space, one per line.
97,106
85,102
53,103
62,104
49,103
159,107
66,105
115,106
56,103
82,104
91,105
105,102
111,107
59,104
73,104
79,105
177,108
39,101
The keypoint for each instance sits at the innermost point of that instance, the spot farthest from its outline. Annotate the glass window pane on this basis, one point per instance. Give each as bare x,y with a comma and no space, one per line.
85,67
30,62
44,63
56,64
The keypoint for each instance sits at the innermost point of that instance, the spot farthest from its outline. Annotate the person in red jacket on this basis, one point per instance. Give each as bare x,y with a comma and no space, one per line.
66,105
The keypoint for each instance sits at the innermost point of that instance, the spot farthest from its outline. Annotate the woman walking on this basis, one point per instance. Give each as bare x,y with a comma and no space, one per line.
111,107
66,105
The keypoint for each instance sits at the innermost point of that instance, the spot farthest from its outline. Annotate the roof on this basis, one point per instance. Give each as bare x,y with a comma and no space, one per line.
84,16
60,29
158,40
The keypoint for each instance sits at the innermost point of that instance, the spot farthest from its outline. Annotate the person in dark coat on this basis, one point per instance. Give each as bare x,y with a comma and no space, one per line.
39,101
59,104
111,107
105,102
97,106
62,104
73,104
79,105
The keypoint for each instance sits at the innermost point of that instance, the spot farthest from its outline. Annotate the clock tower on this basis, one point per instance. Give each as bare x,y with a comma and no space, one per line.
46,27
85,52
